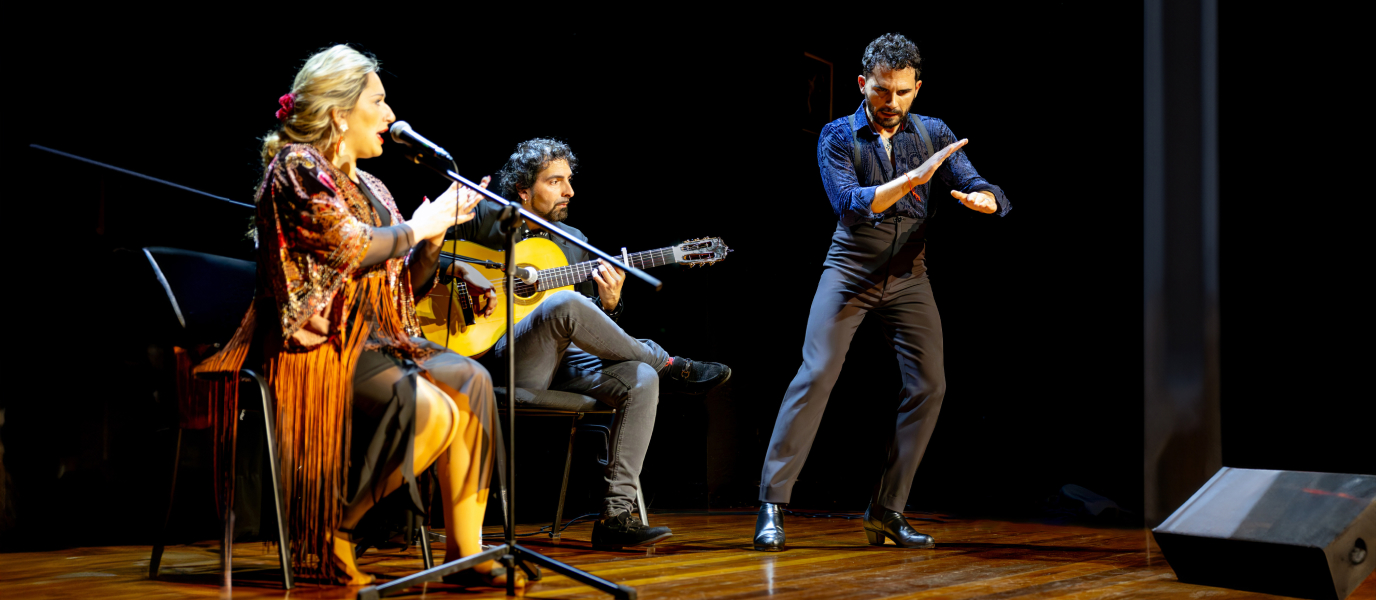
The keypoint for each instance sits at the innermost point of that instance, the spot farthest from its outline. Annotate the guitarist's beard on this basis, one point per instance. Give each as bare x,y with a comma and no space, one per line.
557,215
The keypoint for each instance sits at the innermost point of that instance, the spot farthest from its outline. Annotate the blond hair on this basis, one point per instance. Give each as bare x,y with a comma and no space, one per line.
332,78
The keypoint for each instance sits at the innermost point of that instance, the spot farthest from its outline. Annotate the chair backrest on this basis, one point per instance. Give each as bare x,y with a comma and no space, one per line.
206,295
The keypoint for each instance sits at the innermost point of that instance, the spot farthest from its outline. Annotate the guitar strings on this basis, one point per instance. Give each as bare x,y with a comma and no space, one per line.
645,259
581,272
639,260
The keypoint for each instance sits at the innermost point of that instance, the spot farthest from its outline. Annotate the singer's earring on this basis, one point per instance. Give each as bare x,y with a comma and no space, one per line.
339,148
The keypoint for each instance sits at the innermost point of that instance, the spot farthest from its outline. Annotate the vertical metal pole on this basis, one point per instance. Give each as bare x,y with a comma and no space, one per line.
509,558
1182,445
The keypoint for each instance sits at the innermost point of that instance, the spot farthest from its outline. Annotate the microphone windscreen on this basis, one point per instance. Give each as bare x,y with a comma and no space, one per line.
399,128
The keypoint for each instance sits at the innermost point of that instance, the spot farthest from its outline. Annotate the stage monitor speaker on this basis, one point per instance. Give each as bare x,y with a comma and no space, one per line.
1291,533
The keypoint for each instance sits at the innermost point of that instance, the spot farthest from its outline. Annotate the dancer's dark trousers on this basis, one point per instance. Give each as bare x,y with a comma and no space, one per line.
877,271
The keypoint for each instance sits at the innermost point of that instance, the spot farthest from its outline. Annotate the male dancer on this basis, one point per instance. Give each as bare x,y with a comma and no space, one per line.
571,341
875,164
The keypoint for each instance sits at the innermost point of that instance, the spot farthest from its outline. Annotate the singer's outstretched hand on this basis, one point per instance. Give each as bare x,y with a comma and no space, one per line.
454,206
469,198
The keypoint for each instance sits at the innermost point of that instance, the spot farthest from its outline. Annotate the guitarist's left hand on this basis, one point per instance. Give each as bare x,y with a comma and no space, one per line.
609,281
479,288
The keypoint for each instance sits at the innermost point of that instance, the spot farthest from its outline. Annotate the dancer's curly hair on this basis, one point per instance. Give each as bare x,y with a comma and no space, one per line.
893,51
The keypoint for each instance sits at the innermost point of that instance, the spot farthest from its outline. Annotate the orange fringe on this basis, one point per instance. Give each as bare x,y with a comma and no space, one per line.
209,397
314,401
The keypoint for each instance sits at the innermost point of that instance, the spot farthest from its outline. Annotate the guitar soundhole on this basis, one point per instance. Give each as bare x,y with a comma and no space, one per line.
532,298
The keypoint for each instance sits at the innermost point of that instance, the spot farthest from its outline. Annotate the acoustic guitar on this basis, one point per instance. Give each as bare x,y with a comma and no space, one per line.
472,335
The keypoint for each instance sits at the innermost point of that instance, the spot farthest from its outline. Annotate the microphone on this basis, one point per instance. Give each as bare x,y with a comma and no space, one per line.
527,275
403,134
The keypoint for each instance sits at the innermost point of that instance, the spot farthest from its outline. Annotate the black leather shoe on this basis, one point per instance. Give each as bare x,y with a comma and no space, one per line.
883,523
693,377
623,529
769,528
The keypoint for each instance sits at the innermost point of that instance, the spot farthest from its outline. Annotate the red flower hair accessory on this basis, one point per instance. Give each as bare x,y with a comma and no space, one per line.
288,102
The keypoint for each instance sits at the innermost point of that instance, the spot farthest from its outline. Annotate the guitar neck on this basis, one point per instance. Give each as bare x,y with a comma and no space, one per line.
575,274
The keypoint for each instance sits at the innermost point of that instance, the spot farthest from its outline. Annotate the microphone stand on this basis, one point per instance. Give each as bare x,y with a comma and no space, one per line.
510,553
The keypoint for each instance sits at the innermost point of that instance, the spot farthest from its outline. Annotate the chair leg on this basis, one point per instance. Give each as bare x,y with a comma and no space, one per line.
426,554
227,542
431,482
640,500
564,486
155,562
501,477
227,551
274,468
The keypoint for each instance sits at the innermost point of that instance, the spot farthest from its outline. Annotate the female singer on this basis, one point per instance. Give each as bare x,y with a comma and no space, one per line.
363,401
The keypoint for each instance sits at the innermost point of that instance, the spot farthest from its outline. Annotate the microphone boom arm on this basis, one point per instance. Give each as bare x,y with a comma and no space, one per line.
451,175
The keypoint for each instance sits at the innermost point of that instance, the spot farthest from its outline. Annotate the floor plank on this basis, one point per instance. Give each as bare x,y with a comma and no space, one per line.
710,556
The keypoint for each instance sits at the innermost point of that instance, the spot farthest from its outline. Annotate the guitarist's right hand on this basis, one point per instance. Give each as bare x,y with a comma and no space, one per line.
479,288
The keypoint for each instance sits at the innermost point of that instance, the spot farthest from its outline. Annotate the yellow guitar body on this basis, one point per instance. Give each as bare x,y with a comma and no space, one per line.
476,339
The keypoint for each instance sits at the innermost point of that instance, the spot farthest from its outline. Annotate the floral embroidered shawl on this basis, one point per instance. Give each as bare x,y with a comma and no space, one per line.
314,228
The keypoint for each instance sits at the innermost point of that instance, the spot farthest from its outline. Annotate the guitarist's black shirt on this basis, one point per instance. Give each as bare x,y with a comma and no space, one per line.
485,229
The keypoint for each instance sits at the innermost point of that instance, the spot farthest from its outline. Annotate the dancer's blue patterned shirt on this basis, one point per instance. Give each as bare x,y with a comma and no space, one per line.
851,193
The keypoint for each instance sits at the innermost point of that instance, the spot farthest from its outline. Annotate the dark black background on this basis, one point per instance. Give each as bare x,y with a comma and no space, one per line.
687,129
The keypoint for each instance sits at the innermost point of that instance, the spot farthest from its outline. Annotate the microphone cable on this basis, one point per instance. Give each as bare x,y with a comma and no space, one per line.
449,311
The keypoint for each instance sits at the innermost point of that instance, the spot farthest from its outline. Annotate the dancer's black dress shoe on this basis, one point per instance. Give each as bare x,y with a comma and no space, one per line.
623,529
693,377
883,523
769,528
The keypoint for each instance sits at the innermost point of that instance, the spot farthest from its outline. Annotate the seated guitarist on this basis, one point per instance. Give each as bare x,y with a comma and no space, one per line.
571,341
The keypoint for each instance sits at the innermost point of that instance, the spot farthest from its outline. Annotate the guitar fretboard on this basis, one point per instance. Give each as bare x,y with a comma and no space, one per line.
558,277
464,301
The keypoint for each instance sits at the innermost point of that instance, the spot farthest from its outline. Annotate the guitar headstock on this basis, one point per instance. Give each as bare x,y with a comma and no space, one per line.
700,252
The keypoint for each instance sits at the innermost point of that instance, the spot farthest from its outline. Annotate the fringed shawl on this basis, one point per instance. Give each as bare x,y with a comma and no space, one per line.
314,227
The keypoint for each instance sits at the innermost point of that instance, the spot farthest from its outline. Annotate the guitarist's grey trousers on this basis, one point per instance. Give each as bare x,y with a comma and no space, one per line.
869,270
568,344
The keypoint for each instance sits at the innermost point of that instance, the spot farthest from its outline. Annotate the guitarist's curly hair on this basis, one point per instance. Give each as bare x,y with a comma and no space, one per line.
529,158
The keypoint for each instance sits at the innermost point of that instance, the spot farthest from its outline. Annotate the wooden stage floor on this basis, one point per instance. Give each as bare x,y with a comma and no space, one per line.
709,557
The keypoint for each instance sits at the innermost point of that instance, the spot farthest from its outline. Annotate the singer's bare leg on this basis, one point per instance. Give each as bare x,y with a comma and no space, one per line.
463,488
448,434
